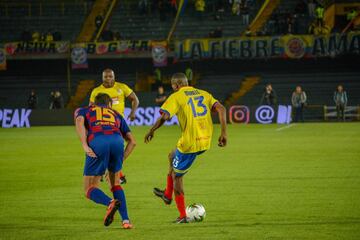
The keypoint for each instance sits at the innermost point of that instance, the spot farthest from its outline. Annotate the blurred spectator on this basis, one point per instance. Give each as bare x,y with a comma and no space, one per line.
200,8
189,74
319,14
58,101
158,77
49,37
351,15
340,99
35,36
26,36
98,21
245,14
235,7
161,96
32,100
51,100
290,24
107,35
298,100
269,96
311,8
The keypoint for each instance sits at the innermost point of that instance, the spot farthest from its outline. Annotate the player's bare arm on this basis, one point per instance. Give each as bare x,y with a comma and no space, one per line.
81,132
134,105
221,110
159,122
131,143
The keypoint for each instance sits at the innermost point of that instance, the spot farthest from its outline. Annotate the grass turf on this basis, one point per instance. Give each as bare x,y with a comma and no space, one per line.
301,182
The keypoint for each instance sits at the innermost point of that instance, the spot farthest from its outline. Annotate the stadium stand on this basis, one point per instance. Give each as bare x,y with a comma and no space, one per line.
65,17
132,24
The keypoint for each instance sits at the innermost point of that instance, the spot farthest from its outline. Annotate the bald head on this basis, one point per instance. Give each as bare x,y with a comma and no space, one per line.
108,77
179,80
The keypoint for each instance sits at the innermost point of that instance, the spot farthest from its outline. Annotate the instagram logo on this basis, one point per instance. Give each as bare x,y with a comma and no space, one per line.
239,114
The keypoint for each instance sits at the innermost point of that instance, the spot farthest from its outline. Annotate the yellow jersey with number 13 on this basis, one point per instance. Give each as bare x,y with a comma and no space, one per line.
193,109
118,93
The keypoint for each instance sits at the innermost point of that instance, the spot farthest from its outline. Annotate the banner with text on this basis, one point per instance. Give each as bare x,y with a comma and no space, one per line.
21,48
288,46
118,47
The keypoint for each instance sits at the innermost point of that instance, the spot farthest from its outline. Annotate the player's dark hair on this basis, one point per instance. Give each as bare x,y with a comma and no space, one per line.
103,99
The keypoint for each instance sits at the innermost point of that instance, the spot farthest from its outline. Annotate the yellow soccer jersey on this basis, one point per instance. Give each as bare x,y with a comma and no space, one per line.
118,93
193,108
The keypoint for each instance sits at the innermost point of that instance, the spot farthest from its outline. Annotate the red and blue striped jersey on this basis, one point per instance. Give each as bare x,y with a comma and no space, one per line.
101,120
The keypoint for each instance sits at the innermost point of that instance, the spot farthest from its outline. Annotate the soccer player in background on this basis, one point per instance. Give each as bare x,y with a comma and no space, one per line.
193,108
118,92
102,132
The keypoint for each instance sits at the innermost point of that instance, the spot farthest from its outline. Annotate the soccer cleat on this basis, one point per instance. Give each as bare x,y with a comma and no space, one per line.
111,210
182,220
160,194
123,180
127,225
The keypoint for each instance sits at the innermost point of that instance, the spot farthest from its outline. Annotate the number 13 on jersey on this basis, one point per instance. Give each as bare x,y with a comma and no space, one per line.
196,104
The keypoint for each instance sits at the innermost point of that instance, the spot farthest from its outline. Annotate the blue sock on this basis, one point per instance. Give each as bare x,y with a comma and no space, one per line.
120,195
98,196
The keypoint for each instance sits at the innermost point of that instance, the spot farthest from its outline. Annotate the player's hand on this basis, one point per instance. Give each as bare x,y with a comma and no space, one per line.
132,116
222,141
149,136
89,152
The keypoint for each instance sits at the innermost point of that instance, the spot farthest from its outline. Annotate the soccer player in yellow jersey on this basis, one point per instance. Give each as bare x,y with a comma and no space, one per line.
193,108
118,92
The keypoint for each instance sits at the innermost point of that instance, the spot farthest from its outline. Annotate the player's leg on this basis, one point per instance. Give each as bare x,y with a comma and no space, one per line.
93,192
180,198
93,170
166,195
181,165
114,167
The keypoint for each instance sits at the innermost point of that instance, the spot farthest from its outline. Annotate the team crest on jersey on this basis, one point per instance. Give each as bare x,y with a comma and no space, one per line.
119,91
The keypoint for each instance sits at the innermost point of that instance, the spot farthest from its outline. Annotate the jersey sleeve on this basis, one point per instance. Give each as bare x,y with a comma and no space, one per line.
124,128
170,106
80,112
212,101
127,91
93,95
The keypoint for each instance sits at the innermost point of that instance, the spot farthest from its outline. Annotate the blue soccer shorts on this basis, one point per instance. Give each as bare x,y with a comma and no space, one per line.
109,150
183,161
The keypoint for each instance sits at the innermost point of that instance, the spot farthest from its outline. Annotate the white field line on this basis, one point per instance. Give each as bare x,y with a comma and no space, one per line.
285,127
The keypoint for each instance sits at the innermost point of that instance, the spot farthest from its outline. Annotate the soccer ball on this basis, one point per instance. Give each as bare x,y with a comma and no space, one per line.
195,212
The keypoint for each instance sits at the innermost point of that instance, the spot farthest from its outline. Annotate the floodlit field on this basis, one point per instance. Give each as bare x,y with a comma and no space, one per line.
301,182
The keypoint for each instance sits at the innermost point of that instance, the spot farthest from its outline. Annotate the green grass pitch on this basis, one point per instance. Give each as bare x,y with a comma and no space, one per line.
301,182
